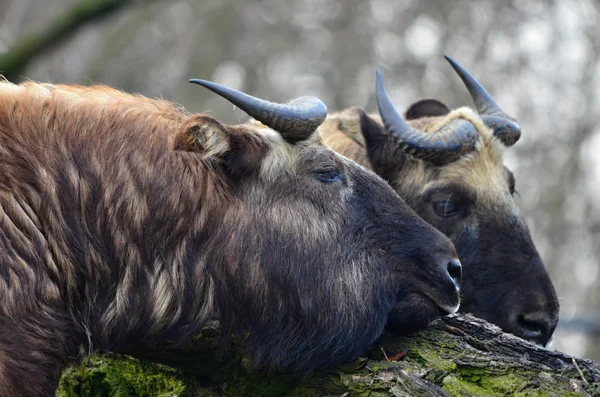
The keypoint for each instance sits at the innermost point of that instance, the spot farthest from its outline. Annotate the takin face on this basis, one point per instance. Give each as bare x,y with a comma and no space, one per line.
126,221
448,166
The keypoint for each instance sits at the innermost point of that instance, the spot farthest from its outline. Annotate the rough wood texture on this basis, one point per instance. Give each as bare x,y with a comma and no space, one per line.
456,356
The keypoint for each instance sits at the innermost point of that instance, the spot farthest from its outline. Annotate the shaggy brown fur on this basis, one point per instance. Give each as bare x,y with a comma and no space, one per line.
110,239
504,278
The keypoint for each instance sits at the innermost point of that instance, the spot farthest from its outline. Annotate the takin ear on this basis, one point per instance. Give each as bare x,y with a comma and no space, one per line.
381,151
203,134
426,108
237,149
348,122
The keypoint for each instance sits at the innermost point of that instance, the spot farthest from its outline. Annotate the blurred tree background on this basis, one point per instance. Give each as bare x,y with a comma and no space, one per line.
538,58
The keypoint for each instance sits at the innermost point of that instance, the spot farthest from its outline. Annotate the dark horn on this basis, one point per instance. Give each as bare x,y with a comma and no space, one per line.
504,127
446,145
295,120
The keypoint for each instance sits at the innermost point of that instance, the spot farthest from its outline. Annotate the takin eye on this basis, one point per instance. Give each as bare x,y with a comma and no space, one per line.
328,176
445,209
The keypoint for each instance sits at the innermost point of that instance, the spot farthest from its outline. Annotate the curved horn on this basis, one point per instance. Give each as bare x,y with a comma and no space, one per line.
295,120
440,147
504,127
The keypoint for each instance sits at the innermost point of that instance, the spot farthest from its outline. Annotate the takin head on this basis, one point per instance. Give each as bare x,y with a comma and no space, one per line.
334,254
448,166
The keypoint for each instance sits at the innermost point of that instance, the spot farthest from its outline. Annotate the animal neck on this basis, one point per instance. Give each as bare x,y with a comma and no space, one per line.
166,228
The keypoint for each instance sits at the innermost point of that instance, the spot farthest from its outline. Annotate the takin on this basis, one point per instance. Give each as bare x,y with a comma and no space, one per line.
126,221
447,165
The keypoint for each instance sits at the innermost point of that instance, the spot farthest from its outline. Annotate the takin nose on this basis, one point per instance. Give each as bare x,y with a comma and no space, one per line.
536,325
450,275
454,269
535,314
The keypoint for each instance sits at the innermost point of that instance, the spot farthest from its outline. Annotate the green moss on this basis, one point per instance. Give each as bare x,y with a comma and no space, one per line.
478,383
484,382
199,373
436,361
503,383
492,383
375,366
108,375
430,358
458,387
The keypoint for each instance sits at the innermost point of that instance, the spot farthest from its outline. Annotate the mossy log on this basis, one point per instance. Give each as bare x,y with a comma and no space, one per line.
456,356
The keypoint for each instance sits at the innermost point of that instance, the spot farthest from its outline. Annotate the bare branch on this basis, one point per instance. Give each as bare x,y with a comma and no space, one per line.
33,44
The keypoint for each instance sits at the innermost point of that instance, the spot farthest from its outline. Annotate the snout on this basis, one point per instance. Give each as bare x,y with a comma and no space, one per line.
519,311
435,294
524,303
444,287
536,309
534,325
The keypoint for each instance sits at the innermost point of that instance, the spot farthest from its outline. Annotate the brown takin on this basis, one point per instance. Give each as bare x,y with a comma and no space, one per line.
448,166
126,221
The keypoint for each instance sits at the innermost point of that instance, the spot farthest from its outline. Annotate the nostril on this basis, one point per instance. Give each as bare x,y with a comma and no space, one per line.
534,326
455,271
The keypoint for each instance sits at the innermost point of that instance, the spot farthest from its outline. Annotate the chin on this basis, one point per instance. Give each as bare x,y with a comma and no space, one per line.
411,314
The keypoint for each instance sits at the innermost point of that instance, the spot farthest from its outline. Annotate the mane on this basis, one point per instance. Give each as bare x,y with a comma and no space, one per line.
92,96
104,122
36,109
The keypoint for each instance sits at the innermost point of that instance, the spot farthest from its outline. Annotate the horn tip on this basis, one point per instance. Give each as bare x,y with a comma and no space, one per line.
214,87
198,81
378,81
453,63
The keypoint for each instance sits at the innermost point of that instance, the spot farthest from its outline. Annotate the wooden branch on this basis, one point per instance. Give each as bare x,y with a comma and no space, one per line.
32,45
456,356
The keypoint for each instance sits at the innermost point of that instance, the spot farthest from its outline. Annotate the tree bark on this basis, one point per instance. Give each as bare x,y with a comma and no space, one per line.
456,356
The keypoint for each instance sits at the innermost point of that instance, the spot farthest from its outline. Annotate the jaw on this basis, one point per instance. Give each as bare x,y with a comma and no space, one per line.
444,306
413,313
